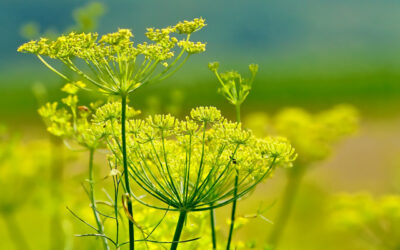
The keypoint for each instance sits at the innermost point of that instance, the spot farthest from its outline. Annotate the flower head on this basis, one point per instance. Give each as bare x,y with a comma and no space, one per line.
120,66
191,164
85,126
188,27
206,114
234,87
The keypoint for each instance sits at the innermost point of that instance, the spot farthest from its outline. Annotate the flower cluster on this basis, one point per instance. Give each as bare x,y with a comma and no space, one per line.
112,111
78,123
234,87
188,27
115,64
191,47
191,164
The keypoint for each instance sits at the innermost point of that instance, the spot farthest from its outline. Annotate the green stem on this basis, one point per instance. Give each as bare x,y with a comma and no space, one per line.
125,163
116,189
228,245
15,232
233,213
52,69
178,230
212,221
237,112
290,192
100,227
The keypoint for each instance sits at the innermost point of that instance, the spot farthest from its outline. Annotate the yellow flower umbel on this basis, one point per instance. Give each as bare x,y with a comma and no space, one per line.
234,87
191,165
114,64
73,122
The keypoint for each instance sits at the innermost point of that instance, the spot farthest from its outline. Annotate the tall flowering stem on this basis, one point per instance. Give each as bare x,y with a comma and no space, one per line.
233,212
125,165
235,89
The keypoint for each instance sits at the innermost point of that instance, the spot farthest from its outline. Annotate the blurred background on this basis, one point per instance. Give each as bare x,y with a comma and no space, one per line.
313,54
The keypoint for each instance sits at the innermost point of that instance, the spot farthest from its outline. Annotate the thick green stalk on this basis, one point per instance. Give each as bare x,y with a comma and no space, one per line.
213,235
100,227
178,230
233,213
125,163
290,192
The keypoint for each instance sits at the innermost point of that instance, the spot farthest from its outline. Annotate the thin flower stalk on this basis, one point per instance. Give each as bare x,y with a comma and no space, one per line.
96,214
